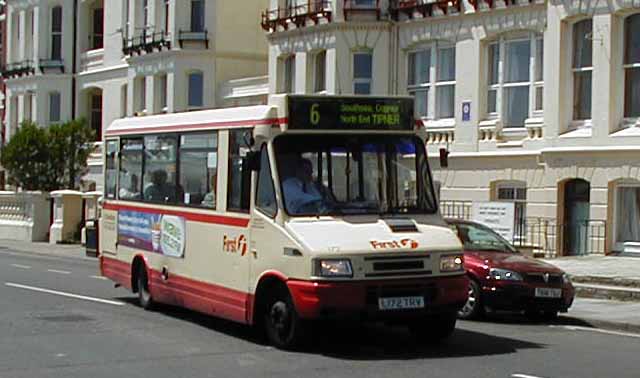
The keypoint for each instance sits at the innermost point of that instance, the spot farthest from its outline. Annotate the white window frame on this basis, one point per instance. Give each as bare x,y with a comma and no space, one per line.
628,120
431,86
622,246
361,80
501,85
577,123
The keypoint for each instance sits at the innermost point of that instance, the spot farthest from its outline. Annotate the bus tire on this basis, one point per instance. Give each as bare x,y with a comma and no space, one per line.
144,296
435,328
282,325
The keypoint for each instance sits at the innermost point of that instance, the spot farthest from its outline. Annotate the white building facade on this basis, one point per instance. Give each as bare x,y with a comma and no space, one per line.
107,59
537,102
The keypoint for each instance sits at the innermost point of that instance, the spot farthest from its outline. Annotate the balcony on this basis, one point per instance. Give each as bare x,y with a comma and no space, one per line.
492,3
147,43
193,37
426,8
18,69
51,65
363,7
298,15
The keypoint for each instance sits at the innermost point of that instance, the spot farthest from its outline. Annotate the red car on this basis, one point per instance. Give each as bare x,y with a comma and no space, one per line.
501,278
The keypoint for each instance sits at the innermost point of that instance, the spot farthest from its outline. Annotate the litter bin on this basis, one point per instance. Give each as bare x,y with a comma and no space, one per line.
91,237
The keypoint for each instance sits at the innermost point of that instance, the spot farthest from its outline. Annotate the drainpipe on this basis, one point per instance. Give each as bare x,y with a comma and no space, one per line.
73,60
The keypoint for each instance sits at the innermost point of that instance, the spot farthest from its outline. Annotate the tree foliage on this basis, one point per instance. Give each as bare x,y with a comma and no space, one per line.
49,158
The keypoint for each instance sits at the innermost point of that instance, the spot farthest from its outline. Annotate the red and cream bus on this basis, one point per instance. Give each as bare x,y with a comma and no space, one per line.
308,208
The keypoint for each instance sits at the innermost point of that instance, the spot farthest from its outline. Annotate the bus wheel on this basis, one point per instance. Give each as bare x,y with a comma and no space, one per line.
144,296
433,329
283,327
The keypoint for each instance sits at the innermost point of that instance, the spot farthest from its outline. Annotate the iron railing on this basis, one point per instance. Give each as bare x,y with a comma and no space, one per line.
18,69
313,10
147,42
423,7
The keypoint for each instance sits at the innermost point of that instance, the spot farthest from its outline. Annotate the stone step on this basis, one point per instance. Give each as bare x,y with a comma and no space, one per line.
607,280
610,292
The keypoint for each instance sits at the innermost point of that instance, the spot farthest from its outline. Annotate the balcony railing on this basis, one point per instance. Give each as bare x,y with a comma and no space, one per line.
18,69
193,37
424,7
298,15
361,6
47,65
147,43
492,3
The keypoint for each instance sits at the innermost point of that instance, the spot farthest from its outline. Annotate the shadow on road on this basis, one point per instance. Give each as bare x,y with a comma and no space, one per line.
353,341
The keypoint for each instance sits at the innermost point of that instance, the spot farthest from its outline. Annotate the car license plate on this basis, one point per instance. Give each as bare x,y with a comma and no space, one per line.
400,303
545,292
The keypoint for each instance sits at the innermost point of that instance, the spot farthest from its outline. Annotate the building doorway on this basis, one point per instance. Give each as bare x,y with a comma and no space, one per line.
576,217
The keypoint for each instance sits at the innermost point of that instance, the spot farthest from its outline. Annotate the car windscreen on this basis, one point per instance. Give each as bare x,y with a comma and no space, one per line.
479,238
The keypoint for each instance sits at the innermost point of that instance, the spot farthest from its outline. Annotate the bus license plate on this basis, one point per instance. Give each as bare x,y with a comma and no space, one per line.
545,292
400,303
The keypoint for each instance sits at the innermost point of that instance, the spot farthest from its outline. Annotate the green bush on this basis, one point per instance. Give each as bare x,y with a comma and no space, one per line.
48,159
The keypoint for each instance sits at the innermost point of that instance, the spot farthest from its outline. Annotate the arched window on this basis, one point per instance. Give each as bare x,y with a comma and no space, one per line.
632,66
514,94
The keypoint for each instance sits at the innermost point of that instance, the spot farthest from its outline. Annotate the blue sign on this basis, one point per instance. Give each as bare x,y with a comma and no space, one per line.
165,234
466,111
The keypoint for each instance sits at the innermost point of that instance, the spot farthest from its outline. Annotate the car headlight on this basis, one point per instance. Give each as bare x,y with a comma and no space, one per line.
504,275
333,268
566,279
451,263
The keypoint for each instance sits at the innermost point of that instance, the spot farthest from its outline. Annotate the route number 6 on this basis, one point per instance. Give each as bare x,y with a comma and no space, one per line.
315,114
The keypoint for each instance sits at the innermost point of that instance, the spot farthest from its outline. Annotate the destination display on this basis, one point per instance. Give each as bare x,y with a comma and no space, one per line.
350,113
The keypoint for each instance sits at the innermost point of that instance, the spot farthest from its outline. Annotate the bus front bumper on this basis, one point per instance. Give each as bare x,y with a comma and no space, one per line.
360,299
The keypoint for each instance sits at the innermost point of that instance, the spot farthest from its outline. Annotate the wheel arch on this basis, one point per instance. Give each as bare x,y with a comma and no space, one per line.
138,261
268,281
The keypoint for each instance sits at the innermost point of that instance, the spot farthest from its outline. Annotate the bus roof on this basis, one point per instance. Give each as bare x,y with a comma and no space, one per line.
246,116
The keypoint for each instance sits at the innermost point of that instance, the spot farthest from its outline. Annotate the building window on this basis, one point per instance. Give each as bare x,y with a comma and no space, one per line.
167,14
97,30
54,107
140,91
162,93
198,169
320,68
95,114
582,69
362,72
515,192
56,33
627,223
197,15
196,90
515,78
289,78
632,66
145,16
432,80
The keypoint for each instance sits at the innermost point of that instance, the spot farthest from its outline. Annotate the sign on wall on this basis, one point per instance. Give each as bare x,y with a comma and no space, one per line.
466,111
165,234
499,216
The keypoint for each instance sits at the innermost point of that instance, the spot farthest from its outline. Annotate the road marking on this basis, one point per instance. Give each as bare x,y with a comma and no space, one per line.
598,330
63,294
21,266
58,271
99,278
518,375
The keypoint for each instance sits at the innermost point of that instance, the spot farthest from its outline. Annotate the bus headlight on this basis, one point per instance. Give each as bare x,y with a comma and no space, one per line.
451,263
333,268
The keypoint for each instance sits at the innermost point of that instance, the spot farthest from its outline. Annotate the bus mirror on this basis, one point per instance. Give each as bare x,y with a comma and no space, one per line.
253,160
444,158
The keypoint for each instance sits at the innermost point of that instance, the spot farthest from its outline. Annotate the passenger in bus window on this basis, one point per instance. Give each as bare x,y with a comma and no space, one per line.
131,191
300,190
159,190
209,199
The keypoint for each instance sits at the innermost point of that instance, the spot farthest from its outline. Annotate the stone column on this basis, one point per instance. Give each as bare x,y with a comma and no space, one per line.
22,48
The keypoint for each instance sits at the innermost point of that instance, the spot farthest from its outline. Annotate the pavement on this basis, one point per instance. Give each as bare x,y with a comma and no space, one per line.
606,314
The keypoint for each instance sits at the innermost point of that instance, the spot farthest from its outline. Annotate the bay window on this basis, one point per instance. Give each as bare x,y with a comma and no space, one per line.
632,67
582,69
515,78
432,80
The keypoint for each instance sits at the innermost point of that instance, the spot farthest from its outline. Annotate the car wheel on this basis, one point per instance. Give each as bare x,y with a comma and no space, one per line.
473,309
283,327
144,296
434,329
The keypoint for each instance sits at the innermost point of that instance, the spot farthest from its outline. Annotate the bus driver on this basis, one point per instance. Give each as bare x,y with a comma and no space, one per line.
300,190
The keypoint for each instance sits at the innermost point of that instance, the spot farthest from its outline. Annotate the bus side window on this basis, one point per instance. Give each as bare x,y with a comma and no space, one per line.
265,195
111,171
198,169
130,183
239,178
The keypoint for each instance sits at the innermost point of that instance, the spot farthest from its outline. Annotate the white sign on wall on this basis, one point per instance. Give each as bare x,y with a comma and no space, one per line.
499,216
